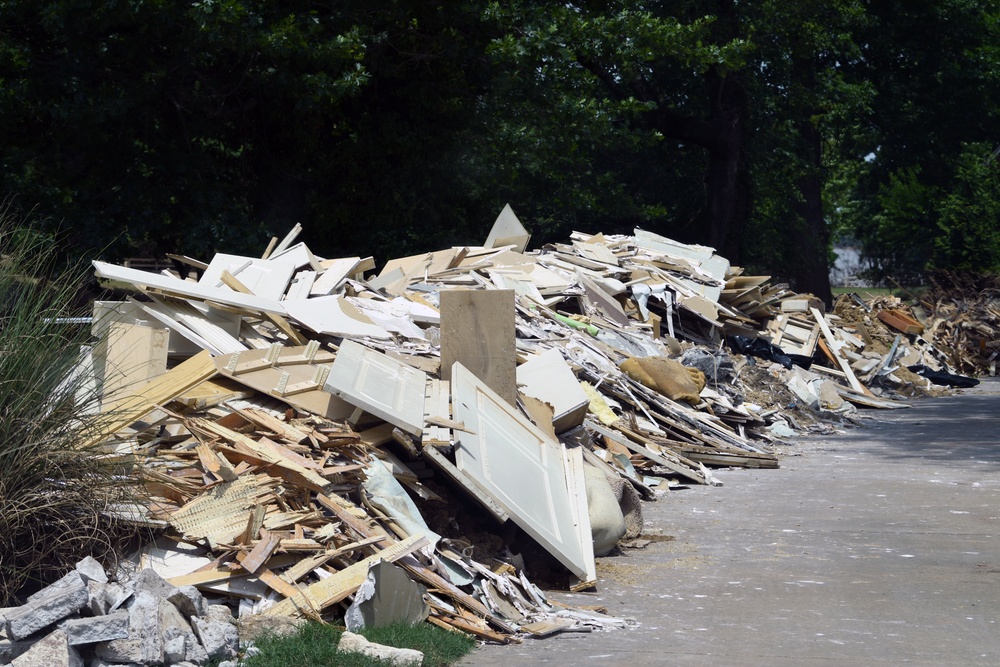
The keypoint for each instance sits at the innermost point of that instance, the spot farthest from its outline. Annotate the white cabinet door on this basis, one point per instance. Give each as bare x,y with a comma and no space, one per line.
380,385
534,479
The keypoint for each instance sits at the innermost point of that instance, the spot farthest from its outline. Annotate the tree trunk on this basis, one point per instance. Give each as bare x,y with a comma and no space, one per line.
810,240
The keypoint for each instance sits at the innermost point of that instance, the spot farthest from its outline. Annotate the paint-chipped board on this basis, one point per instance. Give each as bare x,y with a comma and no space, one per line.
477,330
379,385
529,475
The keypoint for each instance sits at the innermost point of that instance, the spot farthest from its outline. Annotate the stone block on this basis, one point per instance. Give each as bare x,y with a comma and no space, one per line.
60,603
71,578
96,628
401,657
51,651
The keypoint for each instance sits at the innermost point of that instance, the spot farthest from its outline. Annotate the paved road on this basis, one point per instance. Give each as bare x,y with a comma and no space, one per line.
875,547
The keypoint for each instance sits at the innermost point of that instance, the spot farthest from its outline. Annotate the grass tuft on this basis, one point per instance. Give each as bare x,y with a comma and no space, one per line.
53,494
315,645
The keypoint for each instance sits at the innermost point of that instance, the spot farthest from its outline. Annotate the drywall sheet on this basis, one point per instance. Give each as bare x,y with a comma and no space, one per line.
334,315
549,378
380,385
534,479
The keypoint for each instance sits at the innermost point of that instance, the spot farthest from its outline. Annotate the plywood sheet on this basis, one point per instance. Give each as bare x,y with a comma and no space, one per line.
477,330
530,476
135,354
380,385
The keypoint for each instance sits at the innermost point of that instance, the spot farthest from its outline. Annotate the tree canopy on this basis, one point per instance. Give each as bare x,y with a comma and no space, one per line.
763,129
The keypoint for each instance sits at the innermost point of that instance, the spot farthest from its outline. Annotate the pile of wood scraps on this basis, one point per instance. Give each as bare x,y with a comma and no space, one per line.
291,413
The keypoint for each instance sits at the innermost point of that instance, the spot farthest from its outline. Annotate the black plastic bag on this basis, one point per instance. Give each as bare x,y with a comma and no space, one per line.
942,378
765,349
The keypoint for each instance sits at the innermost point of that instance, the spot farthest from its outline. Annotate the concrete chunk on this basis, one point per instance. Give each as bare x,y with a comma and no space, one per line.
402,657
189,601
60,603
52,651
90,570
96,628
144,644
149,581
221,640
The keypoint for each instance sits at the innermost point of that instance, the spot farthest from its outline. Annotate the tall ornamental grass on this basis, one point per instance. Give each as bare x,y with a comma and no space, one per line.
53,493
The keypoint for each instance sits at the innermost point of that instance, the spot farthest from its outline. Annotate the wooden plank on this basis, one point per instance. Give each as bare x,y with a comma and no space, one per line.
163,389
477,330
900,321
680,467
339,585
834,346
264,549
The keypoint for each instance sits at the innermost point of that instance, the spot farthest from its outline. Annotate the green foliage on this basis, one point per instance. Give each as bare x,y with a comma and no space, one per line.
53,493
967,235
315,645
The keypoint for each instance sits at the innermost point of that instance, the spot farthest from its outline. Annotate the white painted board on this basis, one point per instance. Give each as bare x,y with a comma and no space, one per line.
265,278
549,378
533,478
334,315
380,385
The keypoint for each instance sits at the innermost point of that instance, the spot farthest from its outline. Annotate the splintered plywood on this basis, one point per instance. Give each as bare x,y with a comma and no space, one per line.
123,411
220,514
477,331
340,584
379,385
534,479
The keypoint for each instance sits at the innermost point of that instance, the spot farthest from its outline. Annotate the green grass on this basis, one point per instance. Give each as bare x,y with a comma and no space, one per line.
315,645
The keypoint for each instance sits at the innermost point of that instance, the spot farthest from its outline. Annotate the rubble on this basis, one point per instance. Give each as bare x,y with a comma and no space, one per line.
296,421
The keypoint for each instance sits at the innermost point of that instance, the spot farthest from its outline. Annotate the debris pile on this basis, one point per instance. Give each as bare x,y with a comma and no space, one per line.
315,413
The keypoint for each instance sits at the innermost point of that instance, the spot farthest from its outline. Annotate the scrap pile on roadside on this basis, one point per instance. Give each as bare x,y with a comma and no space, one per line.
310,406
